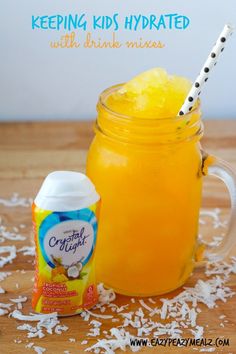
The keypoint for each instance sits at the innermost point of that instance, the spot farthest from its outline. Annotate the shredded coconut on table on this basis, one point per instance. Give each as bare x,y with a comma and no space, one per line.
4,275
3,312
39,350
15,200
48,323
121,341
116,308
10,235
182,309
7,259
222,317
95,331
84,342
221,268
105,296
29,345
60,328
19,301
174,317
145,305
27,250
105,317
151,300
5,306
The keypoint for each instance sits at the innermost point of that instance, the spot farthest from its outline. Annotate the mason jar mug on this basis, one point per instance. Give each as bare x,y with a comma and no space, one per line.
149,174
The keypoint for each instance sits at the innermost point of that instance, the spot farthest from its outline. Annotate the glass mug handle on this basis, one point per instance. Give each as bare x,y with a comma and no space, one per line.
213,166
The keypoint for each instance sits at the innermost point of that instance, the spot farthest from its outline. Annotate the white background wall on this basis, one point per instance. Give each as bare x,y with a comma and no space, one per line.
37,82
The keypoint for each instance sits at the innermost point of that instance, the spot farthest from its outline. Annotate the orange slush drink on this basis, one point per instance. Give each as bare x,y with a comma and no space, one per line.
146,165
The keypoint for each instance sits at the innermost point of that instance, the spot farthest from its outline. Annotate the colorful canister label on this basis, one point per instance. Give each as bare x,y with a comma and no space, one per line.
64,276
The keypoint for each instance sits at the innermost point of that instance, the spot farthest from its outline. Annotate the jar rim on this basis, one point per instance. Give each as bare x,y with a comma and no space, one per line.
103,95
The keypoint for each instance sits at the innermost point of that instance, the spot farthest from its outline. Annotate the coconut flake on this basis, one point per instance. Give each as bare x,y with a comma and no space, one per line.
164,308
85,315
38,334
116,308
27,327
105,296
95,323
98,315
15,200
2,291
84,342
5,306
61,328
142,303
19,301
33,317
198,332
4,275
7,259
27,250
3,312
6,234
193,317
151,300
39,350
30,345
222,317
95,331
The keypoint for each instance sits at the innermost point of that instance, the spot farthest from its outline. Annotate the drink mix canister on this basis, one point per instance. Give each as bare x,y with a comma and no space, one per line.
65,220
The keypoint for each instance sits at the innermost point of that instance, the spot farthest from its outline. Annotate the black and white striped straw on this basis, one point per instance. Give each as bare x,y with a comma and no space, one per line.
206,69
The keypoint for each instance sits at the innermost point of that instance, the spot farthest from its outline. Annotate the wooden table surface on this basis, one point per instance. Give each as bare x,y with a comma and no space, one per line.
28,152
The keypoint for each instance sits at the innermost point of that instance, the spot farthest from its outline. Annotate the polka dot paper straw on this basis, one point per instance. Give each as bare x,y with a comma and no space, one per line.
206,69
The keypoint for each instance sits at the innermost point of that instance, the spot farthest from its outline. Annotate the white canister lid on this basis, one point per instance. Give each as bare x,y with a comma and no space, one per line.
65,191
